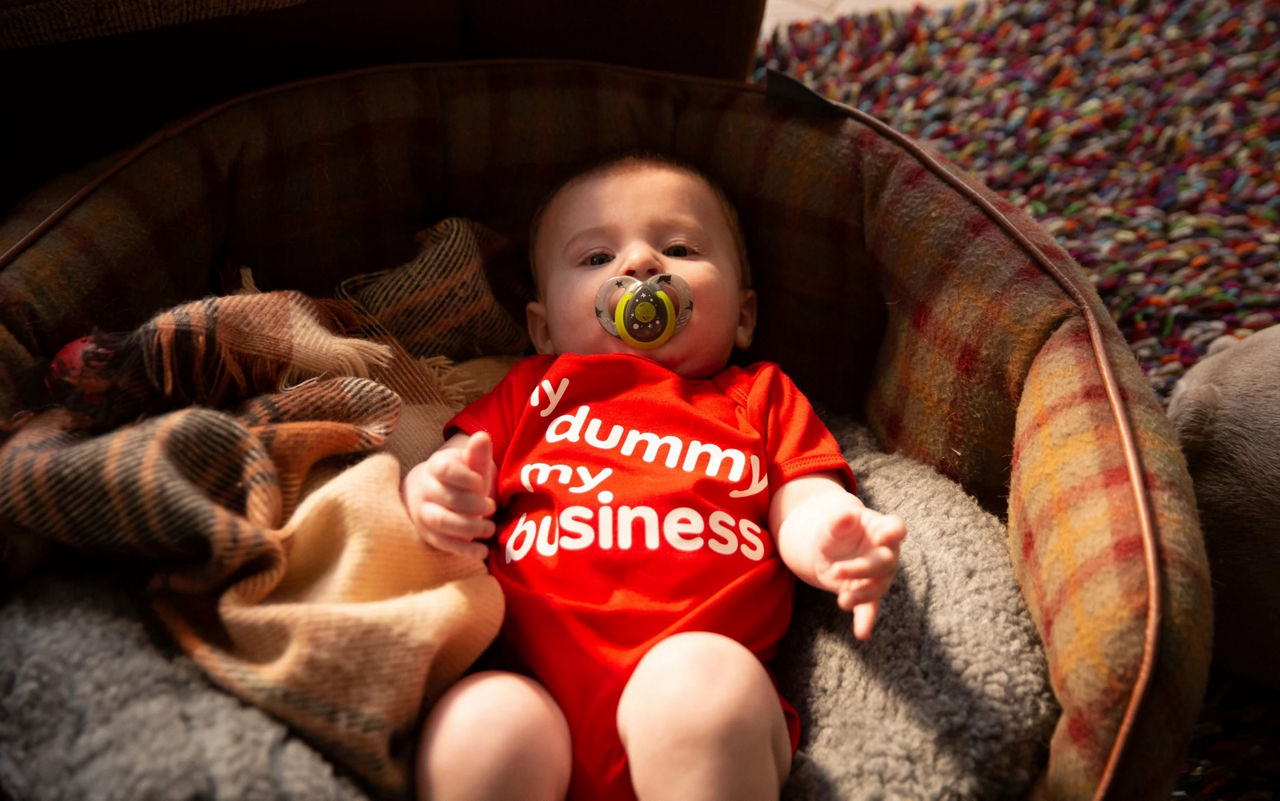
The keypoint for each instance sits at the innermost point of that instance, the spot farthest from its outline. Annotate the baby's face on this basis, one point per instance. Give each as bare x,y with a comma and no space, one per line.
640,221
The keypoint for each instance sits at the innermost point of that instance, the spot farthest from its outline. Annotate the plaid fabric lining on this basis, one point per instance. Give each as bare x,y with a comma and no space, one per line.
1079,559
967,313
799,198
878,282
55,21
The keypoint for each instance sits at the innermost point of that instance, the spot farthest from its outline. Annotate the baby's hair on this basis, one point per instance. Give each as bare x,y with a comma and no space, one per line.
645,159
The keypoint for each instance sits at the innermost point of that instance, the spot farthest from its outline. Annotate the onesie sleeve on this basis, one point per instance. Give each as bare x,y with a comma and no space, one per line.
797,442
498,411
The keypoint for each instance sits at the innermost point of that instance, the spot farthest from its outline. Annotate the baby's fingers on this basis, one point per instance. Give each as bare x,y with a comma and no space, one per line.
862,591
461,547
453,471
479,457
864,619
876,563
464,502
437,522
887,530
479,452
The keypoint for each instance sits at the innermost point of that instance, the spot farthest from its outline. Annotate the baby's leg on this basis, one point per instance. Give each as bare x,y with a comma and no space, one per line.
494,735
700,719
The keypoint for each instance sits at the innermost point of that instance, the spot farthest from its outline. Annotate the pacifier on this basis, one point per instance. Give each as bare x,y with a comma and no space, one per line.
644,315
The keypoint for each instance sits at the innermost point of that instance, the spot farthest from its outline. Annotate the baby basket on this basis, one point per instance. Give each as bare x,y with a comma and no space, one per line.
893,288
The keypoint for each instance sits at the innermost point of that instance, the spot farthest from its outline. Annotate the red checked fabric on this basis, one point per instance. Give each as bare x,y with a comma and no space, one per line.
633,507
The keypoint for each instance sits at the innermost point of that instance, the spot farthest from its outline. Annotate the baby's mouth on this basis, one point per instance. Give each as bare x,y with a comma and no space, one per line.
644,315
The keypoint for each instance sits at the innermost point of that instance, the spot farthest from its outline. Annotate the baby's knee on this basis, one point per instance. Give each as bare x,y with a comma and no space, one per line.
490,725
701,683
701,711
498,699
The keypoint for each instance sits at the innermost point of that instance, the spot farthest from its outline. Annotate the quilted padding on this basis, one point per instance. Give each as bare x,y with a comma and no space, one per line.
892,287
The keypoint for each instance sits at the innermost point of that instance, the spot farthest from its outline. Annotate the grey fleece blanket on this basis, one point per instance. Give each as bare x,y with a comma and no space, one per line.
950,697
949,700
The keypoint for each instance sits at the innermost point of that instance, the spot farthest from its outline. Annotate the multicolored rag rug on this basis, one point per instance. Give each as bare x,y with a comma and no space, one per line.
1146,136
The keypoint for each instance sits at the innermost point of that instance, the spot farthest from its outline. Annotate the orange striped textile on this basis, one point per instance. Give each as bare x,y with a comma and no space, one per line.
284,562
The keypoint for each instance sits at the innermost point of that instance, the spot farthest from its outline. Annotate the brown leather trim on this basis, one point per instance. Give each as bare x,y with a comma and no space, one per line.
1132,457
1146,521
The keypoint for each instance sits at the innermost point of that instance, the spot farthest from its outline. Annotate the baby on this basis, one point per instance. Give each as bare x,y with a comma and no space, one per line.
655,505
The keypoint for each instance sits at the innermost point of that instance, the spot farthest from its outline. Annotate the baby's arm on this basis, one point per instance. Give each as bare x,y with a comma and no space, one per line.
450,496
829,539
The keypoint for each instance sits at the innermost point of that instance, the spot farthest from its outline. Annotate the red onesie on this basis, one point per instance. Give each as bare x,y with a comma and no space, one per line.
633,506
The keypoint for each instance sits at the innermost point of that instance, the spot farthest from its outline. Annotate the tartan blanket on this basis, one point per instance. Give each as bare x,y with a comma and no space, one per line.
226,443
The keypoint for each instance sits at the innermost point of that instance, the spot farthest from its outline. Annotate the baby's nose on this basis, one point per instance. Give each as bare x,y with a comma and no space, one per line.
642,263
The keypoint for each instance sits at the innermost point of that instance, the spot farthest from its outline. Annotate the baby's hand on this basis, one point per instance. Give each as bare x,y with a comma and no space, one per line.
855,554
449,497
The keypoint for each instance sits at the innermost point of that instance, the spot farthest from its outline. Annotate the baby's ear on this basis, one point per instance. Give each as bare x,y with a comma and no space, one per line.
746,319
535,315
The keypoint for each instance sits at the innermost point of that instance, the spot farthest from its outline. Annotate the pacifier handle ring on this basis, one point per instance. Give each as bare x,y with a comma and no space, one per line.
683,297
627,284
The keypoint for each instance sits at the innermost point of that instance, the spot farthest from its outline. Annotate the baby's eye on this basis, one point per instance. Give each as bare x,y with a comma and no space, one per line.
596,259
677,251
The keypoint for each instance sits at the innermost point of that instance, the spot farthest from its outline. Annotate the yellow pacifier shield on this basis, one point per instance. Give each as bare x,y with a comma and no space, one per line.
644,315
645,318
